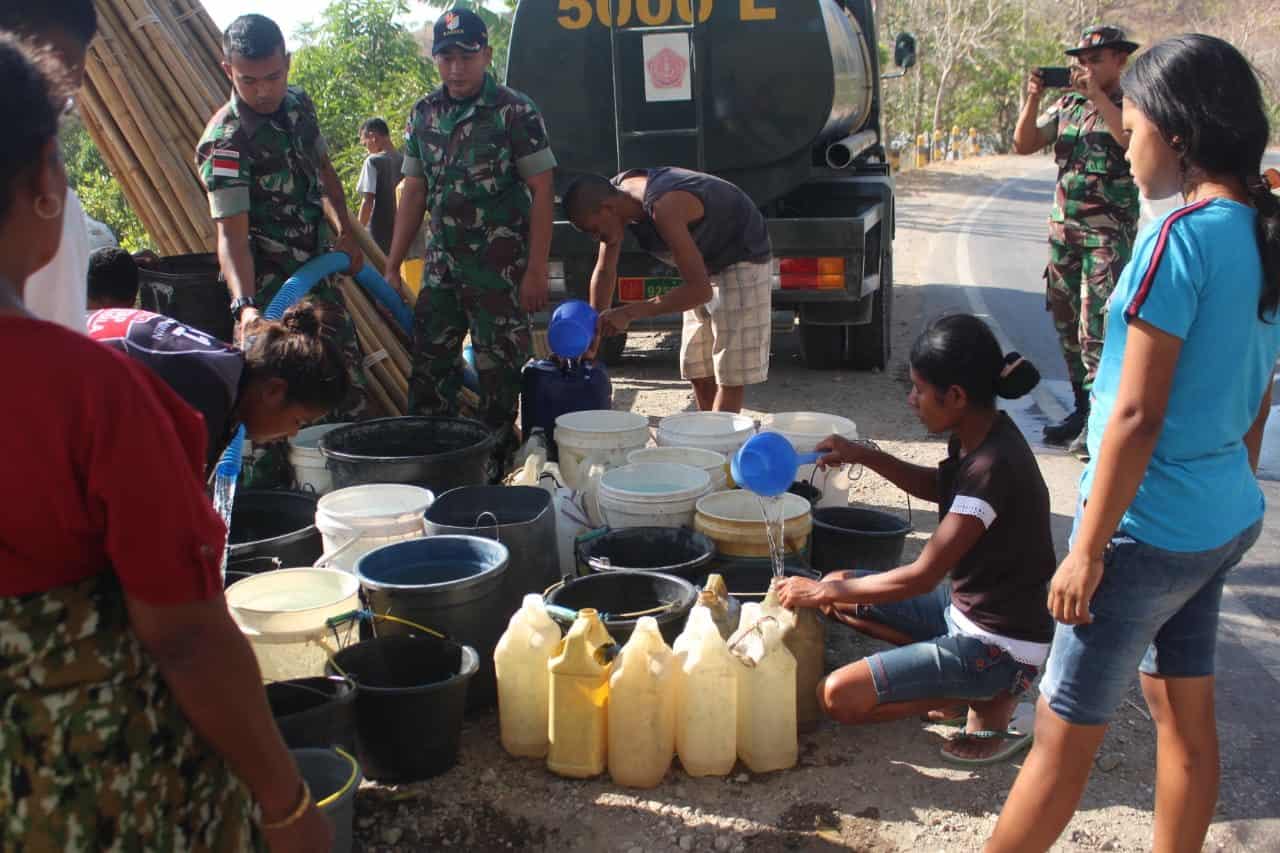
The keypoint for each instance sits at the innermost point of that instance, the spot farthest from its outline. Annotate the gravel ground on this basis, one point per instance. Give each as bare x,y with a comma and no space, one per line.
875,789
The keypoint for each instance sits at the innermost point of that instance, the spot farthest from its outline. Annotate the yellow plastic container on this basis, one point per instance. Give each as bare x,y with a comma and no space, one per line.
725,610
577,719
524,687
706,699
767,737
642,708
804,633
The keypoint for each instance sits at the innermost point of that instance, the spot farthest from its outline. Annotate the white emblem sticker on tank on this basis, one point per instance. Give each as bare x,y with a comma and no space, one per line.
666,67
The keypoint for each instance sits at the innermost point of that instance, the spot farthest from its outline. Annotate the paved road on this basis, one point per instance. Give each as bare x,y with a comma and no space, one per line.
988,260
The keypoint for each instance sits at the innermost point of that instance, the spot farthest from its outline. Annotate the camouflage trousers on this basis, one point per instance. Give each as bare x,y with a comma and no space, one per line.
1079,282
460,296
95,754
271,468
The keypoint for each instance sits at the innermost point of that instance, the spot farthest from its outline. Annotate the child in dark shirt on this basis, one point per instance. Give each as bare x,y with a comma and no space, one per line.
980,640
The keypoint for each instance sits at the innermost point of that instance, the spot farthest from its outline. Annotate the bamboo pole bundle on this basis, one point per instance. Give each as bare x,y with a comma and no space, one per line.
153,82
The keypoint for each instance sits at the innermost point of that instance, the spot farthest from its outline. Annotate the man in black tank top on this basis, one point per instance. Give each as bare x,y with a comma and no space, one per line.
713,233
379,177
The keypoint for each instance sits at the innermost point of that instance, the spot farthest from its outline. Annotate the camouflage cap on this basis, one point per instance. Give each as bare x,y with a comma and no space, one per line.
1103,36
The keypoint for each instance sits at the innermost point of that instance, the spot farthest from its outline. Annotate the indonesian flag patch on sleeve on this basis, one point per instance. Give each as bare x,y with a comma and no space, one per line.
226,163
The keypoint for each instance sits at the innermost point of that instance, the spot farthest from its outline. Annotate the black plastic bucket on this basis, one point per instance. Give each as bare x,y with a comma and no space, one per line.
748,578
279,524
850,537
450,584
333,779
432,452
189,289
410,698
675,551
521,517
630,592
315,712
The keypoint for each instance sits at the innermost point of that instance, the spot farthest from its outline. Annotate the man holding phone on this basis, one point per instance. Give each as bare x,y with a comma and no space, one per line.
1095,205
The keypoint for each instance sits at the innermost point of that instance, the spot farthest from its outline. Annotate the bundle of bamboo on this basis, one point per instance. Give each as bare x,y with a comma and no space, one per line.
153,79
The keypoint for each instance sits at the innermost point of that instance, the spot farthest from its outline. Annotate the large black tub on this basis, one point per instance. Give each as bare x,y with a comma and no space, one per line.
268,523
449,584
616,594
432,452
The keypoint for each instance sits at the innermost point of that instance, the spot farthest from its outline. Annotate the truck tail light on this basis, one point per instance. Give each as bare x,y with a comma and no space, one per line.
811,273
631,289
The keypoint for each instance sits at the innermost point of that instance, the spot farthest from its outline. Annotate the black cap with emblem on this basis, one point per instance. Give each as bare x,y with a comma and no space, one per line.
459,28
1099,36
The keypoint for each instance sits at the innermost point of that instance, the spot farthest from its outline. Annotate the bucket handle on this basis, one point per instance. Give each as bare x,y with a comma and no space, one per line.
497,528
346,786
329,556
855,474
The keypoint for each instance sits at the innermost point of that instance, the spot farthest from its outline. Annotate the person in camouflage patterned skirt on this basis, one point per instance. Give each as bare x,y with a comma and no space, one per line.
1095,207
476,157
132,711
266,168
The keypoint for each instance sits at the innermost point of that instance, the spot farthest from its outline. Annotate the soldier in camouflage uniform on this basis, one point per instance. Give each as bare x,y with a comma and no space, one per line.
266,168
1095,207
477,157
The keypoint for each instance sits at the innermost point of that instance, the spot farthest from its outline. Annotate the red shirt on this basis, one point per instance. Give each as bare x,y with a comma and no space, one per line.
100,470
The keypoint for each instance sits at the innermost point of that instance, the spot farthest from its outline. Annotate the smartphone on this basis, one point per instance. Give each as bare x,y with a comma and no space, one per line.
1055,77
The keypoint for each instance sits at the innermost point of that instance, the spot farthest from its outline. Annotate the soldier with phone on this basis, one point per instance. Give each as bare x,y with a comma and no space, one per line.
1095,206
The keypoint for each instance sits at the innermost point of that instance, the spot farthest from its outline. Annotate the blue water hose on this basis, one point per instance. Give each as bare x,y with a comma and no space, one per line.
298,286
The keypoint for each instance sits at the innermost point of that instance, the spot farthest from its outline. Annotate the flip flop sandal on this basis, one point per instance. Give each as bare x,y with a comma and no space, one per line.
1013,743
952,722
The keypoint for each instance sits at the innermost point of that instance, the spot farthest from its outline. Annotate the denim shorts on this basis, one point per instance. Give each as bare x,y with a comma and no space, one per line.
939,664
1155,611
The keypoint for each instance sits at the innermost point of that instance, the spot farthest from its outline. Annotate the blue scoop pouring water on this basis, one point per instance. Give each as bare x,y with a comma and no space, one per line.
767,464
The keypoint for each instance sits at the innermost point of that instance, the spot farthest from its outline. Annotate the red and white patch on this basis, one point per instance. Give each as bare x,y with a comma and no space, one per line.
226,163
666,69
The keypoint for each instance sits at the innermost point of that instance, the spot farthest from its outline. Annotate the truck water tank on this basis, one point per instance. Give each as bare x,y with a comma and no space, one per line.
771,79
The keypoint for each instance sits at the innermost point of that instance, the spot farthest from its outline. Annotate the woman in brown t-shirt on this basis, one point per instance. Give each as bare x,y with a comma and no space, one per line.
980,640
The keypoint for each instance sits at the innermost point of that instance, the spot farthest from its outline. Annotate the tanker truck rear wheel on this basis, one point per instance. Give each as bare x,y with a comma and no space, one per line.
869,347
822,346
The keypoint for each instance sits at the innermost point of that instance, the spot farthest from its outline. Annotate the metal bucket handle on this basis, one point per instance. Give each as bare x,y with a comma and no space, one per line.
856,474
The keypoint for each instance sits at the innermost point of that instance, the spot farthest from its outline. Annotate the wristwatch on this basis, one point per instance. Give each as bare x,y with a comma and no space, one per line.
238,305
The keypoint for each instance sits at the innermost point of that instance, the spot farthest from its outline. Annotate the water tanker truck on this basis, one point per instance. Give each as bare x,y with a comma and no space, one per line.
781,97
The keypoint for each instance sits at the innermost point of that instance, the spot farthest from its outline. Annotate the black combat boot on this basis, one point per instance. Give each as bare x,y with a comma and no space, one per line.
1061,433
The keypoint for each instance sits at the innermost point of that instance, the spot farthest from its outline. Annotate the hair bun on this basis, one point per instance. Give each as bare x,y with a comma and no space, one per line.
1017,377
303,319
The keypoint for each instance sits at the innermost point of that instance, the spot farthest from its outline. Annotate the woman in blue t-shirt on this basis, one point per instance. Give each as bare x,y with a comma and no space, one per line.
1169,503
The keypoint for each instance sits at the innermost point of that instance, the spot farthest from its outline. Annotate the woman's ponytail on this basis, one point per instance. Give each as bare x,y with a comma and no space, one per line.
1268,229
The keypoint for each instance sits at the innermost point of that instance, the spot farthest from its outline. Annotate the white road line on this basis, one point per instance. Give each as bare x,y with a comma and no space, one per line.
1256,635
1045,399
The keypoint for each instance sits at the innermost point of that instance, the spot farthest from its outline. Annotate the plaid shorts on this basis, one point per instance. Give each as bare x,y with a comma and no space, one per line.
728,338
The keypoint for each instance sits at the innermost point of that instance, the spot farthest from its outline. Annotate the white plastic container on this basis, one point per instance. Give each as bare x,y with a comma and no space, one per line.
642,704
597,437
767,734
283,614
308,463
650,494
356,520
804,430
723,432
715,463
706,699
524,697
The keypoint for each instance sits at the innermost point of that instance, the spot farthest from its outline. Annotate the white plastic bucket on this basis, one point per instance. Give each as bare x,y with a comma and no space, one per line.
804,430
715,463
308,463
283,615
723,432
597,436
651,494
356,520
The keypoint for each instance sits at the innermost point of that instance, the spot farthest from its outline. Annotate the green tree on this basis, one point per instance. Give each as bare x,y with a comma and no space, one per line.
99,192
355,63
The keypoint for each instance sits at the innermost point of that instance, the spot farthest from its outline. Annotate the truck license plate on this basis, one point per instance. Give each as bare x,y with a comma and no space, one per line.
637,288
